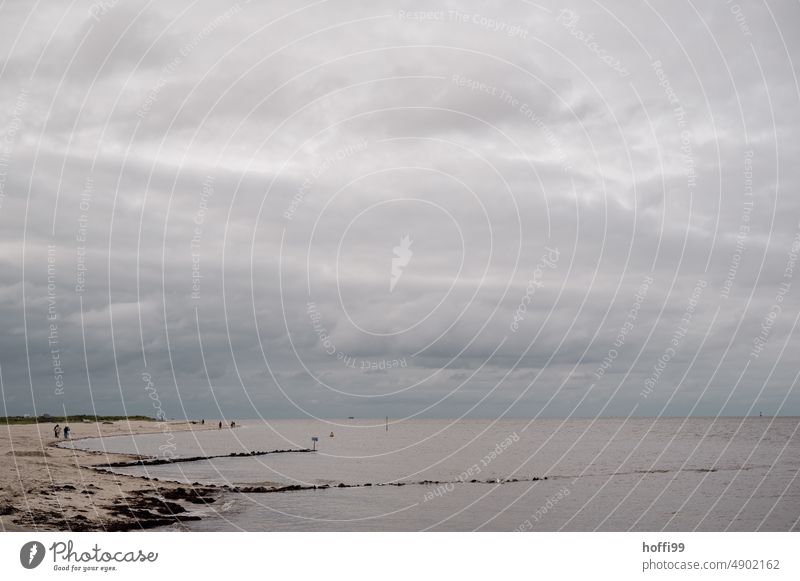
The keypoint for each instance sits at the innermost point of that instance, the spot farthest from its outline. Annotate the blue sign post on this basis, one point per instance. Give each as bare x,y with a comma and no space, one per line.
314,440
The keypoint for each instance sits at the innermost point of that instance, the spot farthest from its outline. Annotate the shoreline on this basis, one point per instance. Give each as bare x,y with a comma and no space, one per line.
44,487
47,487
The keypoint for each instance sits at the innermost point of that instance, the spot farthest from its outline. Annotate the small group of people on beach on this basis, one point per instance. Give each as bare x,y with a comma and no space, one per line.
233,424
57,431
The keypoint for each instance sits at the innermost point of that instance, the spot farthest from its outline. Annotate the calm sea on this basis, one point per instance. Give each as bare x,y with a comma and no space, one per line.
676,474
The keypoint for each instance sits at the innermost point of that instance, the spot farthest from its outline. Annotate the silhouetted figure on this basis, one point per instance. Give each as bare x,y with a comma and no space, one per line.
57,431
233,424
220,425
66,432
202,422
331,436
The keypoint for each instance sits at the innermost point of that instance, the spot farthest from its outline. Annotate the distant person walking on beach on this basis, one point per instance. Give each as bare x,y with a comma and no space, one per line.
66,432
57,431
233,424
202,422
220,425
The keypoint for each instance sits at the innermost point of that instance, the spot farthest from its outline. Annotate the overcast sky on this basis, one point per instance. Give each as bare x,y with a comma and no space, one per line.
360,209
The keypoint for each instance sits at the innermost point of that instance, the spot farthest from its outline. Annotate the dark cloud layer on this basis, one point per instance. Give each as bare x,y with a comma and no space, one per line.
600,208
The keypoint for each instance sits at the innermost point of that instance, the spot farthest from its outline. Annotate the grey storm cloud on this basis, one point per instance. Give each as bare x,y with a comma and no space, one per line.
598,207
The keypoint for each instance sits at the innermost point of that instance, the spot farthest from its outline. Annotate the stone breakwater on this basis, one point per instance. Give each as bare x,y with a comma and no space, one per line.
160,461
294,487
107,468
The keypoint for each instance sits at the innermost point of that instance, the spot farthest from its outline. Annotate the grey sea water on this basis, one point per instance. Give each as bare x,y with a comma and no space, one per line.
675,474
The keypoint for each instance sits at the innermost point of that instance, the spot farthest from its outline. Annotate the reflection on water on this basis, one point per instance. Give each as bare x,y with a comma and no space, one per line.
608,474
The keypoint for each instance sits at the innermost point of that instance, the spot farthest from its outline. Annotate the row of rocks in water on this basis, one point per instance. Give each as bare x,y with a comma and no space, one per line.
295,487
298,487
161,461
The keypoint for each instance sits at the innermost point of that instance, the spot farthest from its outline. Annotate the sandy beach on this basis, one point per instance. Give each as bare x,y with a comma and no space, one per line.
48,488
